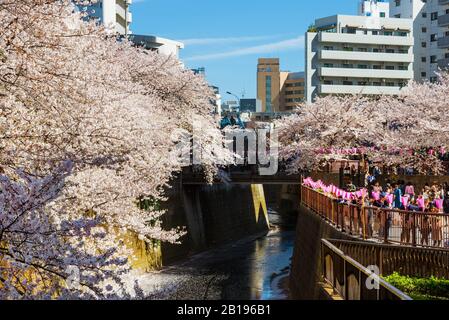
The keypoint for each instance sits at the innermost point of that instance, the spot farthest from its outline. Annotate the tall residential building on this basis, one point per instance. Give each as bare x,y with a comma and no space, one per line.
431,32
279,91
374,8
358,55
111,13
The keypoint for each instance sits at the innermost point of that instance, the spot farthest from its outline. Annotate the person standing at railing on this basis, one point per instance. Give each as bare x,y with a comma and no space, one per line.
369,203
436,226
446,204
406,228
410,189
397,197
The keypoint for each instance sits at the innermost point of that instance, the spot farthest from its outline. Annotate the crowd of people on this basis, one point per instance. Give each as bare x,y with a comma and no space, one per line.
432,201
405,196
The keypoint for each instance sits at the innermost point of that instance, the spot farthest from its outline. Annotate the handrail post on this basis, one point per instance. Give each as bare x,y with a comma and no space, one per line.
351,220
364,222
414,240
386,231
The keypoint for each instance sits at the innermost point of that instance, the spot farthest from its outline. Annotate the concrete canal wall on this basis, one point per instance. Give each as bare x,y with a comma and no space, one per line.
306,261
213,215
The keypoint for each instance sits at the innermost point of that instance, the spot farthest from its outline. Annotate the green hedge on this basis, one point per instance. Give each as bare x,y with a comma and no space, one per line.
421,288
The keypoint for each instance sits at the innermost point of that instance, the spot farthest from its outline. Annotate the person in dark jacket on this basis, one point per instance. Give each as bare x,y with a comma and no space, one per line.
446,204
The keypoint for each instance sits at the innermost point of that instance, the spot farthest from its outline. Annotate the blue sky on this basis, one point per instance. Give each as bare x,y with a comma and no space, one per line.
227,36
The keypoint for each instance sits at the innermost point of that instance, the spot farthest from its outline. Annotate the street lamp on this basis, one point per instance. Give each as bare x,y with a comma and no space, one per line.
238,99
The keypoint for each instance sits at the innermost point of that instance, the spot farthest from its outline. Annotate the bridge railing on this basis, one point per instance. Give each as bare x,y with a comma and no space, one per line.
351,280
407,260
383,225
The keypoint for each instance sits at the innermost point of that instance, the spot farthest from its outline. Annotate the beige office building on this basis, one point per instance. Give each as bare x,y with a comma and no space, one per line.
279,91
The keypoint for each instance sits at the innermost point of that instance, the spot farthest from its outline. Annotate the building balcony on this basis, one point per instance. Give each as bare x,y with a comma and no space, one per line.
443,63
443,2
443,42
365,73
119,10
365,39
129,17
365,56
443,20
371,90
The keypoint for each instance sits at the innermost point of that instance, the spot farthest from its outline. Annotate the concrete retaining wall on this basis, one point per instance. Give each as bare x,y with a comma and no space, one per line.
213,215
306,262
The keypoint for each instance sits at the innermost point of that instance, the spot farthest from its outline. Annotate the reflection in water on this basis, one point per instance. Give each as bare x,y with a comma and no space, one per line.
245,270
261,273
248,269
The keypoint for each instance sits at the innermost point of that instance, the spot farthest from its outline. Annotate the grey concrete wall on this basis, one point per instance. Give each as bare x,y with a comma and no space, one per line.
306,262
212,215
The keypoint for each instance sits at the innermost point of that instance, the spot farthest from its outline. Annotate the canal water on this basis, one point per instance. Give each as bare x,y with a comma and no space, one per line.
250,269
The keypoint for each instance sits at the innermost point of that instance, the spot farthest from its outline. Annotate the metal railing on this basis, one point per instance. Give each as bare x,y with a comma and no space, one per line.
382,225
406,260
350,280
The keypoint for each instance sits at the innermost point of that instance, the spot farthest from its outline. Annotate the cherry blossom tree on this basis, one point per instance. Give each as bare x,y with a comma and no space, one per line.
408,130
70,92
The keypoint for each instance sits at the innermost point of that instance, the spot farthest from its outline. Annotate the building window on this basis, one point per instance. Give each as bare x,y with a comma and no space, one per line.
397,3
433,59
433,37
382,14
423,44
434,16
423,74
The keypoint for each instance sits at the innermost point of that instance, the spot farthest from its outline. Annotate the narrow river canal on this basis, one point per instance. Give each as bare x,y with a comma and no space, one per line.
250,269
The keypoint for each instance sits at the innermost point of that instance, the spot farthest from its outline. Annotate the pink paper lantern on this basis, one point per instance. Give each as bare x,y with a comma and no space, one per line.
404,201
390,198
421,203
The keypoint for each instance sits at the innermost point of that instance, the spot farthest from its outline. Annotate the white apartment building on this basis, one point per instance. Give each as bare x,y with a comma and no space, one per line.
114,14
374,8
431,33
366,55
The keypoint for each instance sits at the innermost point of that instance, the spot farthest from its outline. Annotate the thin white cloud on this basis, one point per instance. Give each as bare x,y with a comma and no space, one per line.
224,40
295,43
